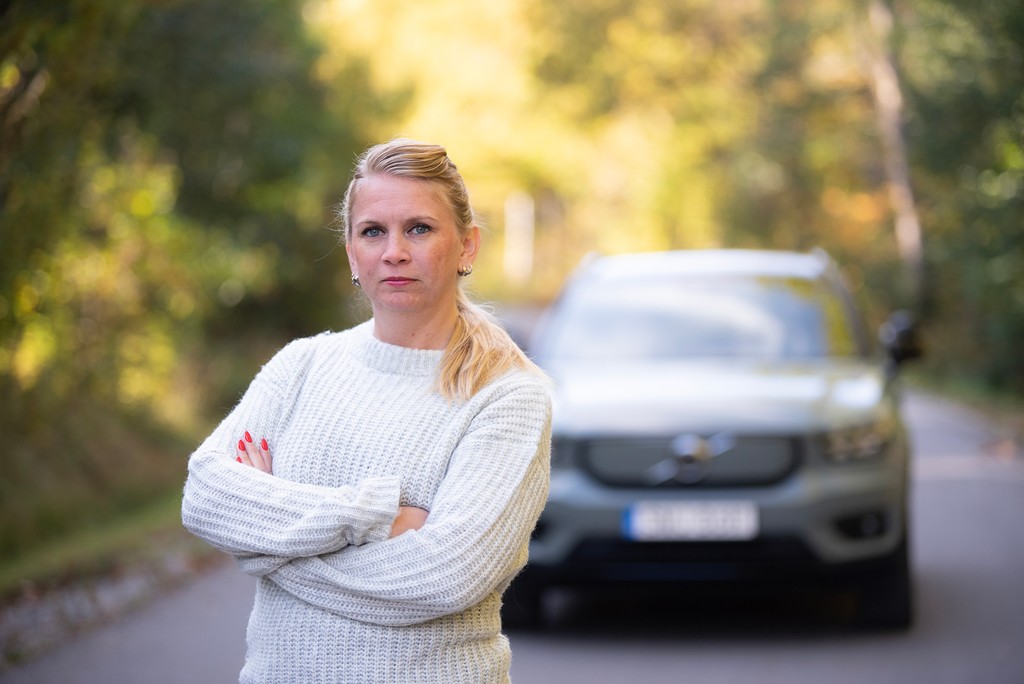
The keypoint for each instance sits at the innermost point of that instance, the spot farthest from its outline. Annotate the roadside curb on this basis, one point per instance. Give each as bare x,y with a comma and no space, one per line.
40,618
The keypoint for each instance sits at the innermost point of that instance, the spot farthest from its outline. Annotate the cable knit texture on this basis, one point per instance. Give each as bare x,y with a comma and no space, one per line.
356,429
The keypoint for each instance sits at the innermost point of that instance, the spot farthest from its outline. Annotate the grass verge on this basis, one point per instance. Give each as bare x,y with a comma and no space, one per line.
102,548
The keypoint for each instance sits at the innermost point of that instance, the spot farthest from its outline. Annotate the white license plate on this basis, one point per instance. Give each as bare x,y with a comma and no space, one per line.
691,521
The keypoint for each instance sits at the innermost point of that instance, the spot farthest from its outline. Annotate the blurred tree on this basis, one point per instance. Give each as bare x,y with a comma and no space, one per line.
166,173
756,118
659,87
812,171
890,118
963,65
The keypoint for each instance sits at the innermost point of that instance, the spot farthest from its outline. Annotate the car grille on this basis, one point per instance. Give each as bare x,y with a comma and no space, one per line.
747,461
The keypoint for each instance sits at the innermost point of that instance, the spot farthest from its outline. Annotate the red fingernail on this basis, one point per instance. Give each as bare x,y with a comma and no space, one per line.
238,458
264,445
241,445
248,437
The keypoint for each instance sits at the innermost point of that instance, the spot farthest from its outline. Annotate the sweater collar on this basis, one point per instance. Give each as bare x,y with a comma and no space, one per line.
390,358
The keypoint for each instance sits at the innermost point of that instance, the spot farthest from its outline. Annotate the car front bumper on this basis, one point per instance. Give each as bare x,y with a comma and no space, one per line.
827,520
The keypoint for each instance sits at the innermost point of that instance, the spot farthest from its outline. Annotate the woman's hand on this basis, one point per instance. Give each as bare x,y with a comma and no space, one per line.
409,518
248,453
258,456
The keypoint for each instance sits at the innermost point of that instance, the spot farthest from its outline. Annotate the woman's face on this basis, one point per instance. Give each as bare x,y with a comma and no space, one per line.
405,246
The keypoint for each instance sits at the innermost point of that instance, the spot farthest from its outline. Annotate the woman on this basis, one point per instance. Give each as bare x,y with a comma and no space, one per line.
382,482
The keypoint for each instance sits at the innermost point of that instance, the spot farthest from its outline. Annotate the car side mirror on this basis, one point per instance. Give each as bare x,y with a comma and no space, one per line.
900,337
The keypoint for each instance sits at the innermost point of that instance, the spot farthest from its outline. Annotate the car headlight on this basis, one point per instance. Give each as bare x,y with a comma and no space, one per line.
860,443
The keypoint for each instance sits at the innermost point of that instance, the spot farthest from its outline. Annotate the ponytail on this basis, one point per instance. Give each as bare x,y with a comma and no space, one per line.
479,351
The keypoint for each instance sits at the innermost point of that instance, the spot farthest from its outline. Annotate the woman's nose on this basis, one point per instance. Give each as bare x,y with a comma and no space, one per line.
396,250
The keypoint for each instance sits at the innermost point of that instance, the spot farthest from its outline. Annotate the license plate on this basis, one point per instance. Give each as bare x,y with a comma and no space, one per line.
691,521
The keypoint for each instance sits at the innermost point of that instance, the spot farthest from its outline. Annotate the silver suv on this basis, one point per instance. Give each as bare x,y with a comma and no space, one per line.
721,415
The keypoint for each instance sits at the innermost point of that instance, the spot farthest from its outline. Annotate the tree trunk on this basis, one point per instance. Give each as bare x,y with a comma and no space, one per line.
888,116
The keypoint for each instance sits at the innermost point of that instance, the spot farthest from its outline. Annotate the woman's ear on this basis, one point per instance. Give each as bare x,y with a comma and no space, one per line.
471,245
351,260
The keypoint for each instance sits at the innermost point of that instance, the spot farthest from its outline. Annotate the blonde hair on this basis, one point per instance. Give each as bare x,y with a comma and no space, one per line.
479,350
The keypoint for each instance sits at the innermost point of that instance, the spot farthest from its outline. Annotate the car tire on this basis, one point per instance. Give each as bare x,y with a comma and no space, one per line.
522,606
885,597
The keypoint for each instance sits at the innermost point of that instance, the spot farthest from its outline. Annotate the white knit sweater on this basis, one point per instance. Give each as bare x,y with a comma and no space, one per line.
355,429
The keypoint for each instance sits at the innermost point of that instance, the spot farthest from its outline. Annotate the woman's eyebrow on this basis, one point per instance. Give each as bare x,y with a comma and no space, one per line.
426,218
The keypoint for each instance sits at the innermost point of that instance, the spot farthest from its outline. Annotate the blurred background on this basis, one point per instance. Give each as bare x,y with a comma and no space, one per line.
168,170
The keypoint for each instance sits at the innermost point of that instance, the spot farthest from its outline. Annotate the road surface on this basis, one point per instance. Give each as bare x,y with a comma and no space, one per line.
968,551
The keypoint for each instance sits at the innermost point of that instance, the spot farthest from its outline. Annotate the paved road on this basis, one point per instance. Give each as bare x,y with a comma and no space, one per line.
968,523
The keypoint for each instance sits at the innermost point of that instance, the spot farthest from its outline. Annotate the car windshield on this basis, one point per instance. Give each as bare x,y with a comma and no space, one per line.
748,317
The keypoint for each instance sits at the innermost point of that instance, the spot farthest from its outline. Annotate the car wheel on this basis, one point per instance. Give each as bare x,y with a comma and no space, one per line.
522,606
885,598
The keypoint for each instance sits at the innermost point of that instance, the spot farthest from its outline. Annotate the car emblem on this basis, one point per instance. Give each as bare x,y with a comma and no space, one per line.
691,458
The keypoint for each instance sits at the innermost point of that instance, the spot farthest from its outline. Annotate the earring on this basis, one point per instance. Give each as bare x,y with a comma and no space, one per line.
466,270
355,281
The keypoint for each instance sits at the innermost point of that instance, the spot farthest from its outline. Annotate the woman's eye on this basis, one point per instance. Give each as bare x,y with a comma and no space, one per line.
420,229
372,231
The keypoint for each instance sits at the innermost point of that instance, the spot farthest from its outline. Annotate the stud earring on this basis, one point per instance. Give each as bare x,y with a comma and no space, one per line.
466,270
355,281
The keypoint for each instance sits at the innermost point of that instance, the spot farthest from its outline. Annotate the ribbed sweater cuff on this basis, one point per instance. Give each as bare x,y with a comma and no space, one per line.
381,494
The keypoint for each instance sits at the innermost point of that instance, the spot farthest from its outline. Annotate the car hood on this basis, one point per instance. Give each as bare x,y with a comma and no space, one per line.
713,396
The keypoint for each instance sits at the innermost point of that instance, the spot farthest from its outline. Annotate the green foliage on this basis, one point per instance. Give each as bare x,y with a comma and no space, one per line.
964,70
762,130
166,172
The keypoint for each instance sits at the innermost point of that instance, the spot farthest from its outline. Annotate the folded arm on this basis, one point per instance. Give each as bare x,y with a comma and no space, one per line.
474,540
241,510
244,511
